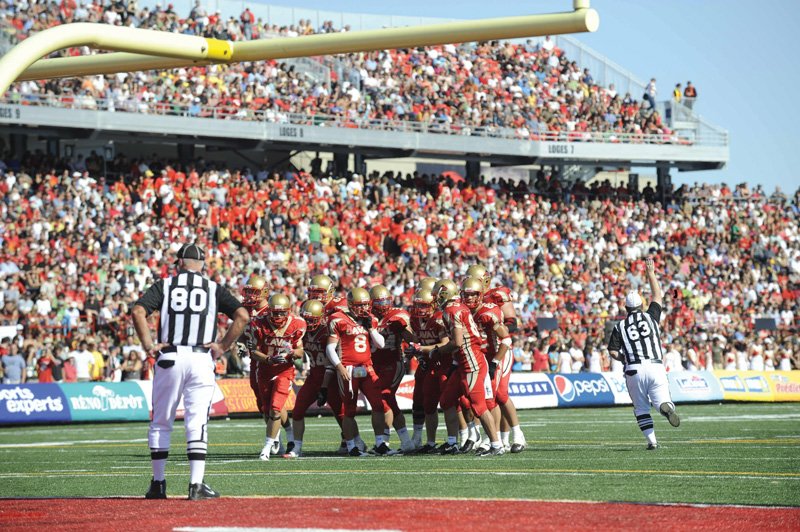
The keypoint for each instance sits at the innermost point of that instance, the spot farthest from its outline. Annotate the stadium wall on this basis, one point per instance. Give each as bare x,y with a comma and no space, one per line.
132,400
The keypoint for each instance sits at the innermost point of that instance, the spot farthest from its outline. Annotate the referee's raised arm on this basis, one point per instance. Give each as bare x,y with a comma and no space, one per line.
655,286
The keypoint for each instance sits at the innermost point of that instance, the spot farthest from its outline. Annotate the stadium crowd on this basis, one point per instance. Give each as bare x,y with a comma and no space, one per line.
78,247
524,90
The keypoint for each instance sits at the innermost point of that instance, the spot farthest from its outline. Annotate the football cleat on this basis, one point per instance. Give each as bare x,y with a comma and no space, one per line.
277,446
382,450
652,446
428,448
492,451
265,452
355,451
342,448
449,448
158,490
484,445
468,446
668,411
201,491
293,453
506,446
289,447
517,447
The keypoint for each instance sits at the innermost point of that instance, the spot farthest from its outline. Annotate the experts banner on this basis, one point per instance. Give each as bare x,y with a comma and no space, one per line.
106,401
694,386
745,385
25,403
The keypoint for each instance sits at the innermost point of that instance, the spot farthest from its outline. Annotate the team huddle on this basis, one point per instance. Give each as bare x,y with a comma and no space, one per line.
460,338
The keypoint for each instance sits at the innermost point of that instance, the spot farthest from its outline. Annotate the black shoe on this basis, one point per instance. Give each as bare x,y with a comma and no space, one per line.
427,448
382,450
355,451
668,411
201,491
468,446
652,446
449,448
289,447
492,451
517,448
158,490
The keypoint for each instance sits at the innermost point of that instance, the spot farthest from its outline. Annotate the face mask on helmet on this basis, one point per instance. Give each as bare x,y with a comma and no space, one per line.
422,308
381,306
360,309
312,321
320,294
470,298
279,316
251,296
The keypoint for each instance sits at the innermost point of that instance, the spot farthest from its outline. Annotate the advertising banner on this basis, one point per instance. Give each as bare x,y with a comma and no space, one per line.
744,386
785,385
692,386
239,397
106,401
582,389
532,390
24,403
619,387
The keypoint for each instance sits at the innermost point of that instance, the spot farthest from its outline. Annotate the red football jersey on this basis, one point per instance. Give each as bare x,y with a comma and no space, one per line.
430,331
488,317
271,340
391,328
469,355
498,296
336,304
249,332
314,344
352,337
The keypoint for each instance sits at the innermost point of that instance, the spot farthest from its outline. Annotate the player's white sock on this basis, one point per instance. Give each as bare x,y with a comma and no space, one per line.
387,435
519,437
269,442
350,445
418,432
379,439
197,470
496,444
358,441
504,437
159,469
650,434
403,435
431,442
464,435
451,440
474,432
298,445
289,432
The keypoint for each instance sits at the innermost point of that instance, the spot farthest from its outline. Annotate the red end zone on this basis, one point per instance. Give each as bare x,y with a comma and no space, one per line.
90,515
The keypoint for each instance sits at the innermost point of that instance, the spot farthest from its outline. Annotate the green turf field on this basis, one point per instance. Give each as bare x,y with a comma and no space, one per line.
733,453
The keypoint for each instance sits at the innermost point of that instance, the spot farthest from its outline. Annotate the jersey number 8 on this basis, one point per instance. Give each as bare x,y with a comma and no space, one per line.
180,298
360,343
643,328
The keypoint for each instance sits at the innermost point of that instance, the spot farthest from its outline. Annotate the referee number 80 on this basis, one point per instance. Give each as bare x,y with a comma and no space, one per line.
180,298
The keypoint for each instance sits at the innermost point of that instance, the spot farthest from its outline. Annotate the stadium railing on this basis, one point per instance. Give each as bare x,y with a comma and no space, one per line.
708,139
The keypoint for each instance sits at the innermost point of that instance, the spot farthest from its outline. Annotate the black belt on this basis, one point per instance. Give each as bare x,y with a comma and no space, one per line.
651,360
174,349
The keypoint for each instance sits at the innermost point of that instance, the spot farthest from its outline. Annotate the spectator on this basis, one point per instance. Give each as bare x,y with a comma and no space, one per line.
131,367
677,94
70,371
83,361
651,93
13,363
689,95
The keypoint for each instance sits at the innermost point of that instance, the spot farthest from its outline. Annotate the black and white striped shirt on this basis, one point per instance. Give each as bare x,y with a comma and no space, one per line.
638,337
189,304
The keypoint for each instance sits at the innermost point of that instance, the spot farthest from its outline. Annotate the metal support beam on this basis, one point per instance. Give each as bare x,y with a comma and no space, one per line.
183,50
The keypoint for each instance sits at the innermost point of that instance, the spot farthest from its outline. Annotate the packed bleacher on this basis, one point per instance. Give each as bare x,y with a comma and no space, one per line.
528,90
79,246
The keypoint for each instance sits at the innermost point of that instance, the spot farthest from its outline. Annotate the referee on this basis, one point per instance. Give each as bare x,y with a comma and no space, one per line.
187,334
636,342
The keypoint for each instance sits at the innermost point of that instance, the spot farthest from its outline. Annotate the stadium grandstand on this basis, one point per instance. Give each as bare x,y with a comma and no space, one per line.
380,168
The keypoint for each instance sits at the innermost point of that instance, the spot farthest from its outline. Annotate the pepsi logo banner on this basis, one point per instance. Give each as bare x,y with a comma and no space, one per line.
582,389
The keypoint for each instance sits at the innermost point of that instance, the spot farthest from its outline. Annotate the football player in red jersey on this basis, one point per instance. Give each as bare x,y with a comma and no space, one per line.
279,340
314,344
348,350
427,324
509,422
471,379
321,288
394,325
418,403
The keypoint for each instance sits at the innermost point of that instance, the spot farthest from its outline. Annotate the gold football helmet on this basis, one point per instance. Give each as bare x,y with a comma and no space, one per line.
254,291
422,307
278,310
359,303
471,292
312,311
481,273
381,300
427,282
443,291
320,288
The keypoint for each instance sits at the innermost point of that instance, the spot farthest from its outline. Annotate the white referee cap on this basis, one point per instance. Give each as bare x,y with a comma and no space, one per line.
633,300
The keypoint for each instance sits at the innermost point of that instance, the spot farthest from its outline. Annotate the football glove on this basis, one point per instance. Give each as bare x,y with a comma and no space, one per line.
423,363
241,349
413,350
492,369
366,322
277,359
322,397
